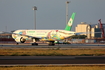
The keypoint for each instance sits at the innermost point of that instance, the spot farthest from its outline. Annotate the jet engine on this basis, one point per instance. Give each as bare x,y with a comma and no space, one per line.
20,39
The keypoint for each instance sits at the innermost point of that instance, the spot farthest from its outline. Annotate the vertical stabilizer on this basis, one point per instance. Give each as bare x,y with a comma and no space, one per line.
70,22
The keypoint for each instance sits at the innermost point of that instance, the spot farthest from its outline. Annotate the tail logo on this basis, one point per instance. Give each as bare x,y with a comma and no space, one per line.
70,22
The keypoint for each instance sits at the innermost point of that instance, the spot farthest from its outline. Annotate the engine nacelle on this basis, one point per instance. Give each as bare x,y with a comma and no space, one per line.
20,39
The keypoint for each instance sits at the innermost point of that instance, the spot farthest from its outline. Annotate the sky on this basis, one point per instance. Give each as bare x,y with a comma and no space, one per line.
50,14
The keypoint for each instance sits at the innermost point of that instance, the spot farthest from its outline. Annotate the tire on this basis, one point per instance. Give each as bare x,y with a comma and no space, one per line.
33,44
51,44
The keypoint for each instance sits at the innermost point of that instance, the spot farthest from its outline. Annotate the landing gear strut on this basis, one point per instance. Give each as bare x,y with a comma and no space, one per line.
34,40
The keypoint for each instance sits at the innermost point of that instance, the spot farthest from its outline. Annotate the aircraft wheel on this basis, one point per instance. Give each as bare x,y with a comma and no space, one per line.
17,43
51,44
34,44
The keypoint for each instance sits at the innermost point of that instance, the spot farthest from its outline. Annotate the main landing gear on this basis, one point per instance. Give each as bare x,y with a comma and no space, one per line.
51,43
34,44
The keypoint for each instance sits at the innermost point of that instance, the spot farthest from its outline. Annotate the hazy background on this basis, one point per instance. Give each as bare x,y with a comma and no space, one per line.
50,14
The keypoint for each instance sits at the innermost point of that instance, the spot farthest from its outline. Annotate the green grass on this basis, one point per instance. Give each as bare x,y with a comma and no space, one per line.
68,67
52,52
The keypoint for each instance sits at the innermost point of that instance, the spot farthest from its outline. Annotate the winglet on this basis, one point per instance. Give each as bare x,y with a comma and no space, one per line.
70,22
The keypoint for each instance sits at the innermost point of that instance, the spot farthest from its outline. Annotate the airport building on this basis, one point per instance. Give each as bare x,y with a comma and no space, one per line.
92,31
5,37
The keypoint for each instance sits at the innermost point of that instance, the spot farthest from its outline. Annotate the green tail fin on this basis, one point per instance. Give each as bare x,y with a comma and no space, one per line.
70,22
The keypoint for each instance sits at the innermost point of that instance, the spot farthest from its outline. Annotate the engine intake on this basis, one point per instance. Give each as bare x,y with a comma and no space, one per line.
20,39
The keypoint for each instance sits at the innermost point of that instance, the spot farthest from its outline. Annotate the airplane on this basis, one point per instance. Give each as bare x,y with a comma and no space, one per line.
50,36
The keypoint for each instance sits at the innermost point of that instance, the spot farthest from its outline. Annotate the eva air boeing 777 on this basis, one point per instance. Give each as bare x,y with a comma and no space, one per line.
50,36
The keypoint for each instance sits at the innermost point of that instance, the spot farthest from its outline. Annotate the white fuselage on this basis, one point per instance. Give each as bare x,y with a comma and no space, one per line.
43,34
